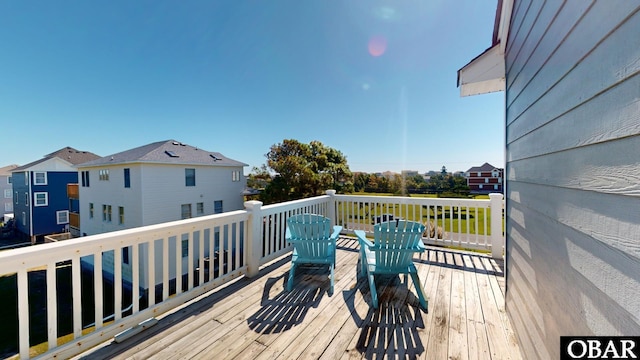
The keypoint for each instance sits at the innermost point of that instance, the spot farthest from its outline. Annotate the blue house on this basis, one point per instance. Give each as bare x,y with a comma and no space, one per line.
40,201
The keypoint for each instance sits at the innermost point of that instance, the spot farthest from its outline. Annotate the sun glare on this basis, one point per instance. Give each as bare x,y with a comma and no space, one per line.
377,45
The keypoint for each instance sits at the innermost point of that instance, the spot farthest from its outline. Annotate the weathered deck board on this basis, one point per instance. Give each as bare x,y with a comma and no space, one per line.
257,319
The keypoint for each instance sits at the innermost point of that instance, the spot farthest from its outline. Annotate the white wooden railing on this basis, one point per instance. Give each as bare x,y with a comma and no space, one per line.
206,252
463,223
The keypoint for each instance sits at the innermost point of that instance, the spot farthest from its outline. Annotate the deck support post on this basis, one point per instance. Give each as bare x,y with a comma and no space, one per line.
497,238
254,237
331,211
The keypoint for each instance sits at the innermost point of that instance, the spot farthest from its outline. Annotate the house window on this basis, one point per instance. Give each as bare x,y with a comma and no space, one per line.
16,198
7,194
486,180
127,178
104,175
8,207
120,215
9,180
200,208
479,173
186,211
480,186
495,187
24,218
90,210
40,199
40,178
190,177
26,199
106,213
85,179
26,178
62,216
235,175
217,206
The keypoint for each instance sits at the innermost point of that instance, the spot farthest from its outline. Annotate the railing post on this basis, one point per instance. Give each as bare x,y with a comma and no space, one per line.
254,236
331,211
497,239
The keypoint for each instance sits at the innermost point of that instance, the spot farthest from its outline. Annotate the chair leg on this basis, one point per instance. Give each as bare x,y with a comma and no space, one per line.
292,272
420,290
372,289
331,288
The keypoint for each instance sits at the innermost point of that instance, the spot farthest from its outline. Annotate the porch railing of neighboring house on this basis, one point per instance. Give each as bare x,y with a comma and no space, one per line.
207,252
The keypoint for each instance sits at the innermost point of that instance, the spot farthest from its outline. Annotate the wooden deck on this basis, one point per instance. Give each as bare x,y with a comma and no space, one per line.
257,319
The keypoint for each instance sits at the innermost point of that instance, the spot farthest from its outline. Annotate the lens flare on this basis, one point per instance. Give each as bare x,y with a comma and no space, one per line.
377,45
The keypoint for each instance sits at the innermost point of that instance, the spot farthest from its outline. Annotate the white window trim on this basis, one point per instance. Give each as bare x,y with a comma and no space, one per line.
35,199
35,178
66,214
8,194
8,206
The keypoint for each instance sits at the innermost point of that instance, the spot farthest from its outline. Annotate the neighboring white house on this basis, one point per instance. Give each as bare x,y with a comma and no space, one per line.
156,183
6,192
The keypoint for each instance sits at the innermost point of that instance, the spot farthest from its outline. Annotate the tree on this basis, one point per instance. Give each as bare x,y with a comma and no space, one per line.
305,170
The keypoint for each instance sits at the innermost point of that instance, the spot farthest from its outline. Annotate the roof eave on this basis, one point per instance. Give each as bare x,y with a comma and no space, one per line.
486,72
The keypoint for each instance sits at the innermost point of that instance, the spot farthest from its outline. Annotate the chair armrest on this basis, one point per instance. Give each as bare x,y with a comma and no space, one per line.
336,232
362,238
421,246
287,234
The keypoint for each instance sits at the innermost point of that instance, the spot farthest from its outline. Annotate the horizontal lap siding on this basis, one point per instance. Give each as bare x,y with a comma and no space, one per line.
573,171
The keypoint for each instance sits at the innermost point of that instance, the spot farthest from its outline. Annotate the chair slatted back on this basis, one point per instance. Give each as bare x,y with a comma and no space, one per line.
394,244
310,235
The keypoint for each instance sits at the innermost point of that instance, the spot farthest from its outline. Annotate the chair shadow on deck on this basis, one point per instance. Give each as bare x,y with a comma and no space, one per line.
286,309
393,328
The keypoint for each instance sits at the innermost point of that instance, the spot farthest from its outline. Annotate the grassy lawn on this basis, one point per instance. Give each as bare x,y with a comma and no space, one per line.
451,220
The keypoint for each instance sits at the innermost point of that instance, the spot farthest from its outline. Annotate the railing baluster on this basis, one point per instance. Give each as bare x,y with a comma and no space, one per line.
178,256
23,313
151,284
98,289
201,256
117,282
135,278
52,306
165,268
77,296
190,251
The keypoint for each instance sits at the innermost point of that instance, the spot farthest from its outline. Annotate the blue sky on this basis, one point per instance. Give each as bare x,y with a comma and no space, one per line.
373,79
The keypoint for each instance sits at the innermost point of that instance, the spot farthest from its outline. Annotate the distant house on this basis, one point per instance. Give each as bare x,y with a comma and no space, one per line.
155,183
485,179
6,191
40,202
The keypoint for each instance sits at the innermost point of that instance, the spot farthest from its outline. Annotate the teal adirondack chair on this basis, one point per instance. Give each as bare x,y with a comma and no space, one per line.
395,243
313,243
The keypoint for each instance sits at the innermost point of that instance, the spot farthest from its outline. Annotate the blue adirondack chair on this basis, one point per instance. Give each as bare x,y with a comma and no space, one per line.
313,243
395,243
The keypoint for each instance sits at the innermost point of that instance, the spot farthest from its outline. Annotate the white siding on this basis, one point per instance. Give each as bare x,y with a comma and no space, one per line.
573,171
111,192
165,191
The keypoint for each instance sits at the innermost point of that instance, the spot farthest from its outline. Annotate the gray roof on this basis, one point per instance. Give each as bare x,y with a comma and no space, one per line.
166,152
68,154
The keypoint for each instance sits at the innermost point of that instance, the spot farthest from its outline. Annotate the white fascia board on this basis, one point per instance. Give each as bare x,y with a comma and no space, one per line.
484,74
